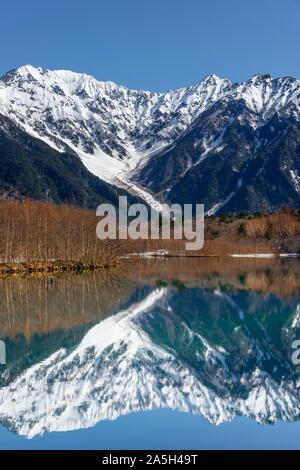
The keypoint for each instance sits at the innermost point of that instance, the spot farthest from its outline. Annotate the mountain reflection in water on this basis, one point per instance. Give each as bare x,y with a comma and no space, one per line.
207,337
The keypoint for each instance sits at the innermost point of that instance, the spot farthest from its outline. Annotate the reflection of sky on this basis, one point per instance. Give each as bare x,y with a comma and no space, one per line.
164,429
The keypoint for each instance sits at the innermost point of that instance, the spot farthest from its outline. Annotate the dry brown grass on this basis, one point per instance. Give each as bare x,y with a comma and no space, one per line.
226,244
36,232
278,225
32,232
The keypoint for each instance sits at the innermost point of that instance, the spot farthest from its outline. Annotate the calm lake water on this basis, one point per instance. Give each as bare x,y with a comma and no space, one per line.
169,354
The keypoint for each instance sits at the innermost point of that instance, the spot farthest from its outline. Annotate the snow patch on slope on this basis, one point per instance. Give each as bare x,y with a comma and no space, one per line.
115,130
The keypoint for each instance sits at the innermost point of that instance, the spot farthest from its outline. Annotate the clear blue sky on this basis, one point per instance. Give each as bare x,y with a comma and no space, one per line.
153,44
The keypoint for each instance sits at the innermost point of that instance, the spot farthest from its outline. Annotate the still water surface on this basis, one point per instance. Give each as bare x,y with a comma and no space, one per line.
161,354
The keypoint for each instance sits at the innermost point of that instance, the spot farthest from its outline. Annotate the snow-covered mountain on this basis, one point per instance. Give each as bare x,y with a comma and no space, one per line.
159,144
148,356
242,154
115,125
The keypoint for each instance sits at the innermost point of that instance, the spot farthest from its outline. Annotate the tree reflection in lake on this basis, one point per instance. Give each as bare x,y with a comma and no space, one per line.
206,336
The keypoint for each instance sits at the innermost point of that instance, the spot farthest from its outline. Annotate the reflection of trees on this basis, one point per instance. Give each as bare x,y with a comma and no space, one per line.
281,277
43,304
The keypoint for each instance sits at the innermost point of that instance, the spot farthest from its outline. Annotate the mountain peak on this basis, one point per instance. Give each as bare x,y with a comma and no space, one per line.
25,70
117,131
260,77
213,79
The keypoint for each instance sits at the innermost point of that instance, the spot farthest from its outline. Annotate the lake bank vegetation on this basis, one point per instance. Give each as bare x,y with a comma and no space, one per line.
227,235
44,237
37,236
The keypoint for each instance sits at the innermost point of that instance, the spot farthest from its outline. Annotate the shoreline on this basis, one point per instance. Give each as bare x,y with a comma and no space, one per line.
52,267
166,254
56,267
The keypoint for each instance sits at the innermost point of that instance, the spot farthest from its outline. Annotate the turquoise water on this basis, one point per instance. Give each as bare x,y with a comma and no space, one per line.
178,355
